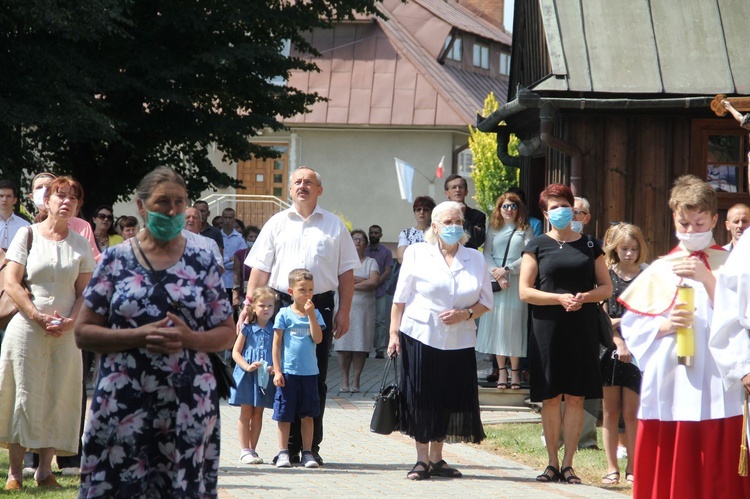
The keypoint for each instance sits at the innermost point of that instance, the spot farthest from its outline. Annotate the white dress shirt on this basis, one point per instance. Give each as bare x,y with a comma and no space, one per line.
232,244
8,229
319,243
427,287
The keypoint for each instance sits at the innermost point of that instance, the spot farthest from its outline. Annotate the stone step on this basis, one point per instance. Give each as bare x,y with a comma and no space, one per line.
492,397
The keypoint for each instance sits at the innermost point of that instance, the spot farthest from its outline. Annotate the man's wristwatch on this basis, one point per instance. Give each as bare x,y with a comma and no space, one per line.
507,270
471,314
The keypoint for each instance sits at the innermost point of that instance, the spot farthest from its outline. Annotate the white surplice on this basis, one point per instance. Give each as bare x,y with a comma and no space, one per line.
729,340
670,391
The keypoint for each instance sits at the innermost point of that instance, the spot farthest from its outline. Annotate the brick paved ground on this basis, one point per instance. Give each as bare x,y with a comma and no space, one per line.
363,464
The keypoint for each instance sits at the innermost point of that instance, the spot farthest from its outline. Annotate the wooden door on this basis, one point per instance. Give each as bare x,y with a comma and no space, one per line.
262,176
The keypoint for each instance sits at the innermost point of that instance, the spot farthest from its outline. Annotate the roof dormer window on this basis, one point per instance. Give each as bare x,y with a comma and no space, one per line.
453,47
481,55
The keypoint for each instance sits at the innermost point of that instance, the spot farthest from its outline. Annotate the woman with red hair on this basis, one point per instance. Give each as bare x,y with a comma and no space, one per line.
563,276
39,378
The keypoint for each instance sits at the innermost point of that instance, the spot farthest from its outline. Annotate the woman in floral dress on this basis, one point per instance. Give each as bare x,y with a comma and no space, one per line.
154,307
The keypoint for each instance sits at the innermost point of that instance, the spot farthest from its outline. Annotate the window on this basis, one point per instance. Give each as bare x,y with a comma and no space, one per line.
280,81
465,162
504,63
719,152
481,56
454,52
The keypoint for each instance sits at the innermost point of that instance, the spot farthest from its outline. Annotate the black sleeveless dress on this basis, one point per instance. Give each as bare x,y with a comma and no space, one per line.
564,346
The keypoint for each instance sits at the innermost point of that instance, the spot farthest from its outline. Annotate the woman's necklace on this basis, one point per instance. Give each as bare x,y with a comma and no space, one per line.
559,242
103,241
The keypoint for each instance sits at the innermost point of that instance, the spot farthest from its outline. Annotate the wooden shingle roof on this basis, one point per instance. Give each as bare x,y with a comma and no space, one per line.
647,46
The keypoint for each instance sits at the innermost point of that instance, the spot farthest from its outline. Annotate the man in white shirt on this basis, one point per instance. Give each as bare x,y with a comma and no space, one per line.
191,232
738,219
307,236
233,242
9,221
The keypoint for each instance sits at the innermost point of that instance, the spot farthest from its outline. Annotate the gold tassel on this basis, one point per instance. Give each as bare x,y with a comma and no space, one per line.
742,470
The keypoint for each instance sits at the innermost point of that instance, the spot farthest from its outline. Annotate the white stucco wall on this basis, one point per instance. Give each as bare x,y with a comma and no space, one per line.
359,173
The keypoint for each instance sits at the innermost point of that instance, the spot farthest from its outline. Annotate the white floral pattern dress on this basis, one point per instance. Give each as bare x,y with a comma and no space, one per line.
153,427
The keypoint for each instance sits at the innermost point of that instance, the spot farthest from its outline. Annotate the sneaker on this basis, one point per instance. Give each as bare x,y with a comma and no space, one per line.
308,460
622,452
72,471
282,460
251,458
29,471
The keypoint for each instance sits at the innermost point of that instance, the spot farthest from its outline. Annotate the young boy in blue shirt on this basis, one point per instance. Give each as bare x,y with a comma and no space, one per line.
297,329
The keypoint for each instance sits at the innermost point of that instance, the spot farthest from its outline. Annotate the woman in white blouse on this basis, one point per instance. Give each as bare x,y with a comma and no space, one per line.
423,207
442,287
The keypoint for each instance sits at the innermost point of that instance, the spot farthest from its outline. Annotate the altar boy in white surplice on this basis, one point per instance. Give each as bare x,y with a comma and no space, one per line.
689,427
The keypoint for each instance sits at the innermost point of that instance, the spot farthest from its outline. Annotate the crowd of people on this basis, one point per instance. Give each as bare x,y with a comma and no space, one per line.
154,304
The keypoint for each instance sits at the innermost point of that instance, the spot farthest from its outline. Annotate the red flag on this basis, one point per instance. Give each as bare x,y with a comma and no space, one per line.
439,171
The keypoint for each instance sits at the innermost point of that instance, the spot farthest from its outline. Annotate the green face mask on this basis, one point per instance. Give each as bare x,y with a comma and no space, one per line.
163,227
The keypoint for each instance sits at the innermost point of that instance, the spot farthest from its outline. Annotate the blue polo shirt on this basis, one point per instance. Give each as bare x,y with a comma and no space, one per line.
298,356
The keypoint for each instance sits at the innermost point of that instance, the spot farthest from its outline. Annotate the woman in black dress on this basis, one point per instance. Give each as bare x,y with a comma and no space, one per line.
563,276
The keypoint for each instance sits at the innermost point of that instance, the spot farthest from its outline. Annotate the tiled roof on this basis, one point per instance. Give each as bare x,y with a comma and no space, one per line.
462,18
384,73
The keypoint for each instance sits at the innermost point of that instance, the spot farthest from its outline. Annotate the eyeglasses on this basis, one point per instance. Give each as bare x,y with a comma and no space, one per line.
422,210
102,216
358,240
511,207
580,212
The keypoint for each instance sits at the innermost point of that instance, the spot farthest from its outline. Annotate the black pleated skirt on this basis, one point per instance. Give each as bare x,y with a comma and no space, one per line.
440,401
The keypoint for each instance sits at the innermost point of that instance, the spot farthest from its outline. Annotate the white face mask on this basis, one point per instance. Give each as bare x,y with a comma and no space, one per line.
39,198
576,226
696,241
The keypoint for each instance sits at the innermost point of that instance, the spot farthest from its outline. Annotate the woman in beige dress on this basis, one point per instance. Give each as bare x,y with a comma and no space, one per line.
40,368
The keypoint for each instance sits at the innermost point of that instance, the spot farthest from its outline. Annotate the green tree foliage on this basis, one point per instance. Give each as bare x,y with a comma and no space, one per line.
105,90
491,177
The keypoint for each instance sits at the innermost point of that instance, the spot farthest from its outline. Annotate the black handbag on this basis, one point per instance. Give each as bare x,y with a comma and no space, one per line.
222,372
604,326
385,417
496,285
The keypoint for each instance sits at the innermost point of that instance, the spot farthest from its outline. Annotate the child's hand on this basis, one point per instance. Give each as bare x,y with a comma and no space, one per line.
278,379
253,367
309,308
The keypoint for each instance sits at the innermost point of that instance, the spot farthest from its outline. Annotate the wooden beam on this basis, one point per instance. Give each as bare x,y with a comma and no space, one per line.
739,103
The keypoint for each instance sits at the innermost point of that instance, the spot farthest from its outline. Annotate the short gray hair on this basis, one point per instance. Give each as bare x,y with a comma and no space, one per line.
158,175
584,202
430,235
317,175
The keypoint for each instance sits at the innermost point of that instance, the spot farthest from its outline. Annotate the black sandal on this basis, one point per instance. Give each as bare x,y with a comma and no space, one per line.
612,478
416,474
571,478
441,468
515,386
550,474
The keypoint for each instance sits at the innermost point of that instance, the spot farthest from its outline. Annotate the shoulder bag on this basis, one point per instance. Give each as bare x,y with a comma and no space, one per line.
222,372
385,417
496,285
8,307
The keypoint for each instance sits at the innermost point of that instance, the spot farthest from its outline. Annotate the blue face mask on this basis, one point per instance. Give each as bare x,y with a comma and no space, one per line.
576,226
451,234
560,217
163,227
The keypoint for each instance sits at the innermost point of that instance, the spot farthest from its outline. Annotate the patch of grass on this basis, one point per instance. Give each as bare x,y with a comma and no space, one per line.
69,490
523,443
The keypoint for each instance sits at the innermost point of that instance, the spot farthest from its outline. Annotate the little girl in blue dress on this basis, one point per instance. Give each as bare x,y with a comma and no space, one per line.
253,369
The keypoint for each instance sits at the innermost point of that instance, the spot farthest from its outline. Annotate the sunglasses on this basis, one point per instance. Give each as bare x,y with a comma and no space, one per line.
102,216
510,207
422,210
